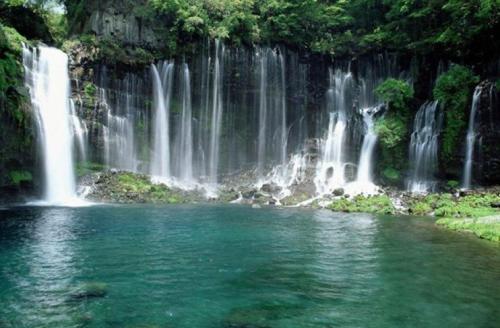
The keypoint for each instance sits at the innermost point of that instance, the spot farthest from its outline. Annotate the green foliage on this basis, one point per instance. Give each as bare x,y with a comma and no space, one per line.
367,204
392,128
453,90
11,75
453,184
485,228
446,205
84,168
391,175
89,90
17,177
396,93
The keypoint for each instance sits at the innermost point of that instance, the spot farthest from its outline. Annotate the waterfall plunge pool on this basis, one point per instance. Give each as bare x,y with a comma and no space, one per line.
234,266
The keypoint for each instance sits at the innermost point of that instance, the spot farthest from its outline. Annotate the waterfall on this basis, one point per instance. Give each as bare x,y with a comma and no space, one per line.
80,132
424,148
48,81
471,139
331,167
261,153
273,129
185,146
217,110
162,94
364,177
118,130
283,125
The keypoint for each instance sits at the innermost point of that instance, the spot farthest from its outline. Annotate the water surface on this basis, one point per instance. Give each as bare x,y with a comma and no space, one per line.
234,266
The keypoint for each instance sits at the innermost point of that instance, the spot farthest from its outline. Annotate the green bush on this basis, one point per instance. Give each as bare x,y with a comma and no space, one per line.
392,128
453,91
380,204
396,93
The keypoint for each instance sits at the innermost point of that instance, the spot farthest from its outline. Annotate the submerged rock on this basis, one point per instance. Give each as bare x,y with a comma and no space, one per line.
90,290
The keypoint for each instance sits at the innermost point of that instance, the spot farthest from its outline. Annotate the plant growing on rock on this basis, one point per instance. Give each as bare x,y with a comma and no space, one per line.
453,90
392,128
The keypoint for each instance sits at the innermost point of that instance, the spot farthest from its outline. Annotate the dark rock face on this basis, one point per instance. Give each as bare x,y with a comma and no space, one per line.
119,20
486,170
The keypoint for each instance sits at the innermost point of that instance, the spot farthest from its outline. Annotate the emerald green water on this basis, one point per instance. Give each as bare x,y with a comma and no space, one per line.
238,267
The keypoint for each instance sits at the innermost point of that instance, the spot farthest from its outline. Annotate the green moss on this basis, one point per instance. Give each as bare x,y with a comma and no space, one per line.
453,91
446,205
84,168
381,204
391,174
134,183
17,177
486,227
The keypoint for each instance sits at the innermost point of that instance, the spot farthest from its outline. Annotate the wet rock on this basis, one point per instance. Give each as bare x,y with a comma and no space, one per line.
338,192
248,194
256,206
270,188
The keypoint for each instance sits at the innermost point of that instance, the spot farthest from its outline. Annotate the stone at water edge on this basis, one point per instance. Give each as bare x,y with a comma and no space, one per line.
338,192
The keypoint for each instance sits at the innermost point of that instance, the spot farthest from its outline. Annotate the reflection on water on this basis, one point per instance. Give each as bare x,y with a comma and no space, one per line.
225,266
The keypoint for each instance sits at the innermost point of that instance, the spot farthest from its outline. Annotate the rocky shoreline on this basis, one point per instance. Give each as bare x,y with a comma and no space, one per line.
457,210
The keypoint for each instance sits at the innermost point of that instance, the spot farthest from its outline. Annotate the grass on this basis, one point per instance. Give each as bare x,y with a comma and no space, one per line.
485,227
380,204
471,213
448,206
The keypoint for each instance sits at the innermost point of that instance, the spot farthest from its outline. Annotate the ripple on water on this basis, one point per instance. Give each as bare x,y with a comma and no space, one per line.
233,266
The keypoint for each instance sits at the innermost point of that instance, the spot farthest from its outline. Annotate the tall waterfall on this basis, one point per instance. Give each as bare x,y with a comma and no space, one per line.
261,153
162,91
185,133
272,128
424,148
331,168
364,179
471,139
217,110
48,81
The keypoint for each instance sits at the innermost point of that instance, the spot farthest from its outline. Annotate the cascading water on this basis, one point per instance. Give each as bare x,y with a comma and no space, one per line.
185,136
80,132
217,110
162,91
241,114
48,81
364,180
471,139
261,153
424,148
331,168
119,103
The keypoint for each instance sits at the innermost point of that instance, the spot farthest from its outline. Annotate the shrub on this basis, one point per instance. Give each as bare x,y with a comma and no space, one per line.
453,90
